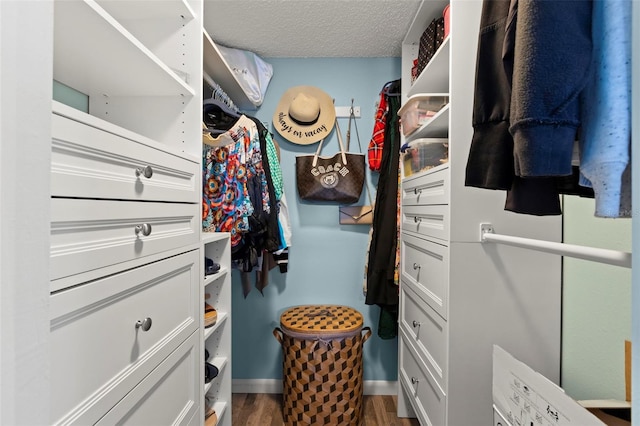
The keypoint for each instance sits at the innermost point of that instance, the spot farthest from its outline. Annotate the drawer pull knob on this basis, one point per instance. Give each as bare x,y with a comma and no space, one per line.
144,324
145,229
417,191
145,171
414,380
416,219
416,266
416,323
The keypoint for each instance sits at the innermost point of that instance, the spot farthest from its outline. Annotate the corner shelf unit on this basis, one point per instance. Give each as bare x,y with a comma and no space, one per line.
217,338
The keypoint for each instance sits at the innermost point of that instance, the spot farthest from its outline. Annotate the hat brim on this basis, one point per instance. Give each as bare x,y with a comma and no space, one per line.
302,134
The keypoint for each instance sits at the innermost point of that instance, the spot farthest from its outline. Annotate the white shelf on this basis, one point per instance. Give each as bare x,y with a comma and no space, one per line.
222,317
437,127
428,11
220,362
210,279
217,68
97,56
435,76
212,237
220,408
124,10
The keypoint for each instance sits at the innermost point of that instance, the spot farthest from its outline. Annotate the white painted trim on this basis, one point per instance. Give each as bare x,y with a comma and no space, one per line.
26,75
371,387
256,386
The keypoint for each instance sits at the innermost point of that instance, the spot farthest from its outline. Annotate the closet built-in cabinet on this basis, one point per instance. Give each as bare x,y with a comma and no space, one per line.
127,251
217,337
459,297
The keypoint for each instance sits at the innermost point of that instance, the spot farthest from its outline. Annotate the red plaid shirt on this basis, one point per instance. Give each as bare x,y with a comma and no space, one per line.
374,151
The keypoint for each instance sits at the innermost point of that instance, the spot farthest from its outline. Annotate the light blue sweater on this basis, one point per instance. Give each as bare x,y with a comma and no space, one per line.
606,111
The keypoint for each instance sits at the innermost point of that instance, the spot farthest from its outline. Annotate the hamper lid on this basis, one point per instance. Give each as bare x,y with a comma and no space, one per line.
321,319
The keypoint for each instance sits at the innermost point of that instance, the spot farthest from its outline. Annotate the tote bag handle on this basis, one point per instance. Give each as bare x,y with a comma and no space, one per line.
342,151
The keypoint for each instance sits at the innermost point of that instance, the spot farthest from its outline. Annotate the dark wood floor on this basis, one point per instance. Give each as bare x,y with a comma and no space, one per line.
265,409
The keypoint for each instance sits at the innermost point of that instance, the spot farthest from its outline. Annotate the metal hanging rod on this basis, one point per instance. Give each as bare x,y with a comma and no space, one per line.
612,257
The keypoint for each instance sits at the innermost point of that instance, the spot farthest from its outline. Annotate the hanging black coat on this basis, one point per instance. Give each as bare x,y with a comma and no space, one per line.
381,287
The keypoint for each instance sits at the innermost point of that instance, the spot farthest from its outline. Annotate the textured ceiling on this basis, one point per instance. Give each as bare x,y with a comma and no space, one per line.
311,28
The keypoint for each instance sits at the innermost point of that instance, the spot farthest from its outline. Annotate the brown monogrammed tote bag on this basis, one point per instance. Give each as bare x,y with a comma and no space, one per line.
338,179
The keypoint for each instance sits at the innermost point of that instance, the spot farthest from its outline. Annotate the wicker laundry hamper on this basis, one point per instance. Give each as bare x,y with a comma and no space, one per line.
322,364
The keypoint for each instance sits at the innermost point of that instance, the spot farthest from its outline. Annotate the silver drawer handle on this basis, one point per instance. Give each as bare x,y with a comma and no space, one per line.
144,324
416,266
416,323
416,219
145,171
414,380
145,229
417,191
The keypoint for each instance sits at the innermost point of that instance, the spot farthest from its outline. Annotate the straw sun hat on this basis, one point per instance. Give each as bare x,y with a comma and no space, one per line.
304,115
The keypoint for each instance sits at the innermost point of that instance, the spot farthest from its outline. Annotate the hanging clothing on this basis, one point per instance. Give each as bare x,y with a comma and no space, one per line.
382,266
236,195
526,107
552,64
606,109
376,144
226,206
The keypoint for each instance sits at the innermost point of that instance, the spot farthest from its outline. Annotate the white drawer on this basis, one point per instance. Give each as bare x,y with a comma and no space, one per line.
89,162
431,188
425,266
428,332
430,221
168,396
427,398
98,354
90,234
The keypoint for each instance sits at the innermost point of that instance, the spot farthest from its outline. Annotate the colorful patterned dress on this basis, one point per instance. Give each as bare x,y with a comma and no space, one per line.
227,170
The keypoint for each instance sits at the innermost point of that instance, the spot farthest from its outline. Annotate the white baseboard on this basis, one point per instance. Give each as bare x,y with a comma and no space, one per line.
371,387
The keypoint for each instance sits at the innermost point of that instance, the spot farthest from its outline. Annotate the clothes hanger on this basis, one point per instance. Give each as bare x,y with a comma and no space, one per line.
217,116
386,89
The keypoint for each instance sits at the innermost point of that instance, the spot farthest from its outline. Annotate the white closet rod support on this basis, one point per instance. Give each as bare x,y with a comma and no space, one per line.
612,257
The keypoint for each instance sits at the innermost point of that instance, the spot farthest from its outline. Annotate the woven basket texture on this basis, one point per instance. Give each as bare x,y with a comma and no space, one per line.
322,365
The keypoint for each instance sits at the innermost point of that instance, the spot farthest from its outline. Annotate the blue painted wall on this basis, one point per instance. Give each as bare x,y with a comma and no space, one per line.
326,263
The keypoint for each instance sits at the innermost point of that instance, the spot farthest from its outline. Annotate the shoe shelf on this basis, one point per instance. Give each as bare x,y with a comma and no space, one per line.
221,363
216,290
222,318
220,408
210,279
212,237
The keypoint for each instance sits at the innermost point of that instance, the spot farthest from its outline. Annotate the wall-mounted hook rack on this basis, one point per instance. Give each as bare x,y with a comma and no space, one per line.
343,111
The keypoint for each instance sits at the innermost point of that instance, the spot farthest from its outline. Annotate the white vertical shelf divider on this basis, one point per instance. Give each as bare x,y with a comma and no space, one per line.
216,290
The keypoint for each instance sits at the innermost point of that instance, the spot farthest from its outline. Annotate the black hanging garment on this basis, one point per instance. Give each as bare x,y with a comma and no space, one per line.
381,286
503,64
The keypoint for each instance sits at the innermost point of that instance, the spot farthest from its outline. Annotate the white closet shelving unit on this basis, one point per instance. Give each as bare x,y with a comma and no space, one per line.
458,296
217,338
126,263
